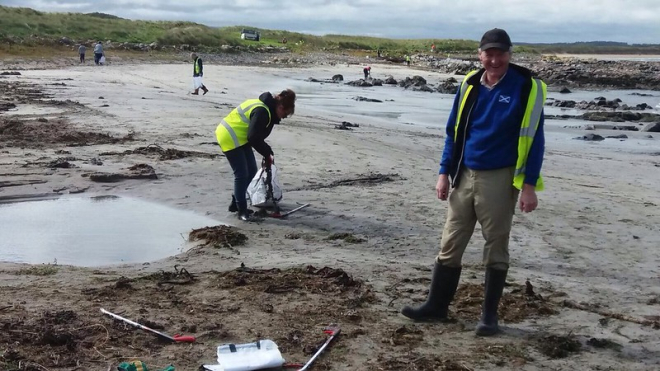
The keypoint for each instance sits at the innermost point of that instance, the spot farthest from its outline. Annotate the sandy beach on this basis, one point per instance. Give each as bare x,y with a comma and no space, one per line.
590,251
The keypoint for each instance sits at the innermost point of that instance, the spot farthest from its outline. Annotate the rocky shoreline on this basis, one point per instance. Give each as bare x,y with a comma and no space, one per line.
558,73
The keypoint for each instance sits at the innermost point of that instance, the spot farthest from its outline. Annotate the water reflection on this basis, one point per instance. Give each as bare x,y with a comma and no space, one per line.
93,231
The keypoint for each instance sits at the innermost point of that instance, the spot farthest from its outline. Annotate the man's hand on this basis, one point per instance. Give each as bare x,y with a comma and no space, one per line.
270,160
442,187
528,201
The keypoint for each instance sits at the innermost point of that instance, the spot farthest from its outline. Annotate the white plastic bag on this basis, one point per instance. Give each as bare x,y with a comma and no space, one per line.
102,60
247,357
257,191
197,82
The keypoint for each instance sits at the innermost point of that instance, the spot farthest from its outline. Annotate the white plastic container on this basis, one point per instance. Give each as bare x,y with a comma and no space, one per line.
247,357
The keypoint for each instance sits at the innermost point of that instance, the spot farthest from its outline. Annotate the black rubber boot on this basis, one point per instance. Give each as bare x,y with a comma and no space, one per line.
443,287
494,286
233,207
245,215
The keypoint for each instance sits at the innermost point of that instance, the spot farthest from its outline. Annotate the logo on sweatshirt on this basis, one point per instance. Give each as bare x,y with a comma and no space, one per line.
505,99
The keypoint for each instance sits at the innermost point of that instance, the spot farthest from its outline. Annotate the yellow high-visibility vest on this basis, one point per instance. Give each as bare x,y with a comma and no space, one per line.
197,66
528,127
232,132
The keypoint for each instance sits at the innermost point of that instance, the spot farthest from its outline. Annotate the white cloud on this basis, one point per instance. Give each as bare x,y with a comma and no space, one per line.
527,21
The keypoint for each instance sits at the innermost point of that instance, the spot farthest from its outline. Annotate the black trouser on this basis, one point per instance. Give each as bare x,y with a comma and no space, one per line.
97,57
244,165
82,57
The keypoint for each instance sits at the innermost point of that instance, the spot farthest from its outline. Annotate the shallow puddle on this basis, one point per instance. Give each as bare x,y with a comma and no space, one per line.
93,231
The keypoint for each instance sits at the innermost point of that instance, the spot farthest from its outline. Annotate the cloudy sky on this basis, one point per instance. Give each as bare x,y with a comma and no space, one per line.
632,21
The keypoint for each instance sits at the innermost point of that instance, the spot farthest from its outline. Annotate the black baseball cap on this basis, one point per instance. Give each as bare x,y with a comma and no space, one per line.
495,38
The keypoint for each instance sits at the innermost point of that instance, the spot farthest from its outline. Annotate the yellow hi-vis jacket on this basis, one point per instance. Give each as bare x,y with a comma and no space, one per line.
528,127
232,132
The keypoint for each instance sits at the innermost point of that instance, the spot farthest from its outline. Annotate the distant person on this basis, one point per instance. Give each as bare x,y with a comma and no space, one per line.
245,127
98,53
81,52
407,58
433,48
492,159
284,40
367,72
198,73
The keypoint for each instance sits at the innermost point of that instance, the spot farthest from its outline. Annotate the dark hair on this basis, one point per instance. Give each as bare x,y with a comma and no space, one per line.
287,99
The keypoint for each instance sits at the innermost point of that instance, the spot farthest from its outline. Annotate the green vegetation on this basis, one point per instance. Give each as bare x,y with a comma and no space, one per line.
39,270
29,28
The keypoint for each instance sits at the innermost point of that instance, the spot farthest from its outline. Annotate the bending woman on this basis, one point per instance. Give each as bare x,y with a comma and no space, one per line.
245,127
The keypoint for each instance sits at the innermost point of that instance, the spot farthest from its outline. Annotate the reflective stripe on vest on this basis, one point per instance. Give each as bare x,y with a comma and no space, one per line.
196,66
528,127
462,99
232,132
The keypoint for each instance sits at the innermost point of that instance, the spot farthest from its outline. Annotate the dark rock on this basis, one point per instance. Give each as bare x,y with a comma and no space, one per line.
447,87
620,136
10,73
563,103
6,106
60,163
345,125
653,127
360,83
337,78
642,94
565,90
364,99
591,138
408,82
377,82
425,88
390,81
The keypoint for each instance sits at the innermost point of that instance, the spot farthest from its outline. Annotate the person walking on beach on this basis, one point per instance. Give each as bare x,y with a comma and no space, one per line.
98,53
407,58
493,153
245,127
198,72
81,52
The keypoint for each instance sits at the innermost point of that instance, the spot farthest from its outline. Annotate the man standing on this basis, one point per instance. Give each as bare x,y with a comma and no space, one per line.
198,72
98,52
81,52
493,153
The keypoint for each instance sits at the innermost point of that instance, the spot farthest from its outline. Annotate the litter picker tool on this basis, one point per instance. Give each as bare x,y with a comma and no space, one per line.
277,213
175,339
332,331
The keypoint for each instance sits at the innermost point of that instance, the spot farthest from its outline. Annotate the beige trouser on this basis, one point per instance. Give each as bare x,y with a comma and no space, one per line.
486,196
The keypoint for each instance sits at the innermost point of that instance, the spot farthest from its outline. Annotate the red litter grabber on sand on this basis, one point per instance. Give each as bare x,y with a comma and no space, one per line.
332,331
175,339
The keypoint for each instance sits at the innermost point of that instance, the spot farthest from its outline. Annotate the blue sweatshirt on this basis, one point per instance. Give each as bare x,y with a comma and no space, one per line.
494,127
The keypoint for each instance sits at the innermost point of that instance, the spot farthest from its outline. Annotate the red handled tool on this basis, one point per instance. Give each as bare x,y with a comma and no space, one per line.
332,331
175,339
